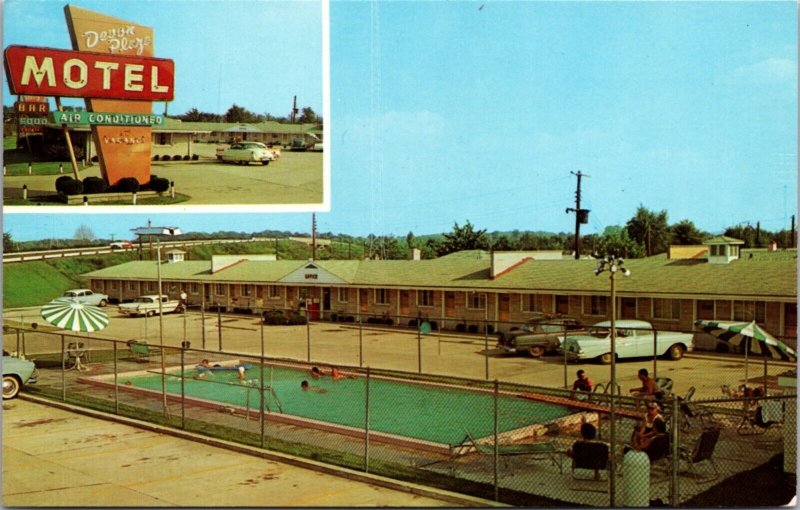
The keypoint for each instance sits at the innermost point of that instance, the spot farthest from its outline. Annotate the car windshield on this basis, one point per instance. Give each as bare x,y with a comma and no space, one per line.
551,328
71,294
599,332
144,300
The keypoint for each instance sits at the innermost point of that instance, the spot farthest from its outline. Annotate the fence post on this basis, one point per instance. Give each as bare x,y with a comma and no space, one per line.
63,371
360,341
219,326
308,336
566,377
496,431
419,349
183,388
655,353
116,380
485,352
366,423
203,323
673,486
261,379
18,341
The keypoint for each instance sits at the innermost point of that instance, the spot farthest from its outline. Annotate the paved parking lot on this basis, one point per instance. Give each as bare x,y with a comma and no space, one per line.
53,457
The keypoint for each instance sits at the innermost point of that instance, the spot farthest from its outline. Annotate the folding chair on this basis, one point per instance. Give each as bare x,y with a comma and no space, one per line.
591,455
703,450
691,411
537,451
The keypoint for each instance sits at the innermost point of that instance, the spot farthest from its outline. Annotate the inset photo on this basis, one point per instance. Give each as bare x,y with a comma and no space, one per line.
199,105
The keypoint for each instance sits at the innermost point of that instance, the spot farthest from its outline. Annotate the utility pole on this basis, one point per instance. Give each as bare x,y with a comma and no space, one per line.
581,215
294,110
792,234
313,236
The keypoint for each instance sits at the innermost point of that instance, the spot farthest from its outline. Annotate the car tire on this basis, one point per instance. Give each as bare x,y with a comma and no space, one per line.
675,352
265,162
606,358
11,386
150,313
536,351
102,303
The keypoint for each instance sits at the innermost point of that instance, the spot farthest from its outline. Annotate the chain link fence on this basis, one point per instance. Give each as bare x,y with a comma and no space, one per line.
438,408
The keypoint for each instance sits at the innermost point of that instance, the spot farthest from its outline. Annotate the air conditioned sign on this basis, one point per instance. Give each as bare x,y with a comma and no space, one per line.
51,72
108,119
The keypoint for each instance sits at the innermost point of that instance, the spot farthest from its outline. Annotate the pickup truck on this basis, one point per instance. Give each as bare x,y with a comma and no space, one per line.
536,337
148,306
87,297
634,339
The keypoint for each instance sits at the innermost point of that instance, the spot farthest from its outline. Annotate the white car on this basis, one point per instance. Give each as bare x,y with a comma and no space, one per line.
243,153
87,297
634,339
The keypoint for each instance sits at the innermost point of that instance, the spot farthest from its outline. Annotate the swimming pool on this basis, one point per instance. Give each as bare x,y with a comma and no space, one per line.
422,411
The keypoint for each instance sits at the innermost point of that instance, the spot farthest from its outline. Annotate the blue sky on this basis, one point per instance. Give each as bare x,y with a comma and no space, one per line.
443,112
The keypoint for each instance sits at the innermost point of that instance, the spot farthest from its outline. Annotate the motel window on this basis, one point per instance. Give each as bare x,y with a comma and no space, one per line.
750,310
246,290
476,300
424,298
595,305
132,286
151,286
220,289
114,285
535,303
274,292
343,294
669,309
194,288
705,309
382,296
302,292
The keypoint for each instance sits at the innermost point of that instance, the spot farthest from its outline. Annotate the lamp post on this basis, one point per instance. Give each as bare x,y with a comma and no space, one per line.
158,232
613,265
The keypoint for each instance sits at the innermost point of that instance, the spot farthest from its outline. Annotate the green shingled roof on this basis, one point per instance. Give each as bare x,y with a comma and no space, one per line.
771,275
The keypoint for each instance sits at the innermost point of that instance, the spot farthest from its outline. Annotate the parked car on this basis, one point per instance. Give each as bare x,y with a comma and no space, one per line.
634,339
537,337
298,144
16,373
245,152
148,306
87,297
121,245
318,147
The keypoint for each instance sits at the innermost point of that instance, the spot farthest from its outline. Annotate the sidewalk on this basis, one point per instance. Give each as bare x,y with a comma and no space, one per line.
53,457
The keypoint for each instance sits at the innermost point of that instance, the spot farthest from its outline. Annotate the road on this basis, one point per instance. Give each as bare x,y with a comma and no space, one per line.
53,457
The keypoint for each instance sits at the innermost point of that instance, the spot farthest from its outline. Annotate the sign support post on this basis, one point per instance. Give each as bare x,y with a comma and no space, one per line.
71,150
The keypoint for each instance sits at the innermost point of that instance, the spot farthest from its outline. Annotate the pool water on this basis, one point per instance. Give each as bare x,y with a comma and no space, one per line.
425,412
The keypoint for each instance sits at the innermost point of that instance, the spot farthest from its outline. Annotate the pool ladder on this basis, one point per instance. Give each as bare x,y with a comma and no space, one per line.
266,402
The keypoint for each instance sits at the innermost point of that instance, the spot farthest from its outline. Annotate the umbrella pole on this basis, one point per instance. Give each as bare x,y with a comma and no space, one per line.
765,374
746,352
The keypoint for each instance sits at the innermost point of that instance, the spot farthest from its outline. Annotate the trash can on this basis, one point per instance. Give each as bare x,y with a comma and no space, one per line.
636,479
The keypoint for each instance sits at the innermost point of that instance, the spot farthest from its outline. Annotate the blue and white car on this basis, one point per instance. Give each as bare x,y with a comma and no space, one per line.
87,297
16,373
634,339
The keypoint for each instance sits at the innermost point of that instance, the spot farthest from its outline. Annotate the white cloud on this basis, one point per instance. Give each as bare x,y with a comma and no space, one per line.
769,71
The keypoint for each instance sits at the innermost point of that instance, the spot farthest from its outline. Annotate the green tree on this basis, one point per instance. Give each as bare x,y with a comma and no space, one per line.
684,232
308,116
410,239
616,241
650,230
237,113
8,243
464,238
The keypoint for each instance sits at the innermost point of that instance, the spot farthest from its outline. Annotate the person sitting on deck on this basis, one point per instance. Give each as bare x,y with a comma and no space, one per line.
582,384
649,389
646,431
659,443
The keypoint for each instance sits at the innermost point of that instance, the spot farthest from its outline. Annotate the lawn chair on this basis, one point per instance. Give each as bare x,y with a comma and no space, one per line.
764,416
665,387
537,451
703,450
141,351
76,355
591,455
690,411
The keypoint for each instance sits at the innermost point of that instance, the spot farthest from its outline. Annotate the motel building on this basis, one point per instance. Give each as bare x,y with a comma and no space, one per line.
717,281
174,136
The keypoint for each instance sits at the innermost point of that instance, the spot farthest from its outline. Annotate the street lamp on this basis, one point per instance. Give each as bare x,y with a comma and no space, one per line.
159,232
613,265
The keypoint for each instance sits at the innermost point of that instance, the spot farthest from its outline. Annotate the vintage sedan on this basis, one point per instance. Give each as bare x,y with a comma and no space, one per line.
243,153
537,337
634,339
87,297
16,373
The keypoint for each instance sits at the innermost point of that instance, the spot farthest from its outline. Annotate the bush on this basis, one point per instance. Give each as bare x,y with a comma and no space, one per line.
274,318
187,157
412,323
297,320
72,187
177,157
195,157
461,327
165,157
489,329
61,180
472,328
388,321
350,318
94,159
127,185
158,184
156,157
94,185
434,325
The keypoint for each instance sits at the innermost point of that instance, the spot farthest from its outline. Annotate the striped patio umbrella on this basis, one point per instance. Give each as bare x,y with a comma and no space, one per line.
69,314
738,333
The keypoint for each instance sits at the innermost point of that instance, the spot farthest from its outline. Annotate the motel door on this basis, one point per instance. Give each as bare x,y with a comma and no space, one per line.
562,305
404,305
450,304
627,308
363,299
790,320
326,298
503,307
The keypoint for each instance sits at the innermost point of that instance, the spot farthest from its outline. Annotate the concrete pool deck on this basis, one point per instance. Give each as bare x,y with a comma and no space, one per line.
53,456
